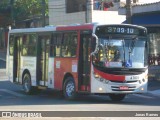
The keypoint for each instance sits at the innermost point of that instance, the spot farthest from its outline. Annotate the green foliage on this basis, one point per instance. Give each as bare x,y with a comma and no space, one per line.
4,5
28,8
23,9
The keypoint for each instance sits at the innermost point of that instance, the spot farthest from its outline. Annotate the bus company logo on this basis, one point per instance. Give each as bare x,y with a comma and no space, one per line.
20,114
6,114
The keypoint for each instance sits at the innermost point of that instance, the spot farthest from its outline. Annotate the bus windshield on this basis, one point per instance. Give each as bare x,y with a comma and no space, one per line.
121,53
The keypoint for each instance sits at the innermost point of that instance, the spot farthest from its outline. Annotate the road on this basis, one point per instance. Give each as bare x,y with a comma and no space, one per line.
12,98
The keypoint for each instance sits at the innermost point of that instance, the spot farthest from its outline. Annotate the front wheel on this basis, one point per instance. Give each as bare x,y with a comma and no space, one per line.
27,87
117,97
69,89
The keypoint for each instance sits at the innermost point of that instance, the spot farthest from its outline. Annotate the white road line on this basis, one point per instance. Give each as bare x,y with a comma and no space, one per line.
12,93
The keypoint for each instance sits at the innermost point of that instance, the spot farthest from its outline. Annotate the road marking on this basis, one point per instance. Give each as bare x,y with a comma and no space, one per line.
12,93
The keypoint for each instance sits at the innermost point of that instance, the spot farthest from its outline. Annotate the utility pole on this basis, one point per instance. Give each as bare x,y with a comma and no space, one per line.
86,12
128,11
43,13
12,13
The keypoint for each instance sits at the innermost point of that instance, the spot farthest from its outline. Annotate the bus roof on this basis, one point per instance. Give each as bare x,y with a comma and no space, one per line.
31,30
75,27
53,28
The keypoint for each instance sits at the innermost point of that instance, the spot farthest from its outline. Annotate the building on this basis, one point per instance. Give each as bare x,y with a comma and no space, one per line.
65,12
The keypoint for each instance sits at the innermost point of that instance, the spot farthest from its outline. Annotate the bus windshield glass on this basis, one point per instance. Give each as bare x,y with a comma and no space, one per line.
121,52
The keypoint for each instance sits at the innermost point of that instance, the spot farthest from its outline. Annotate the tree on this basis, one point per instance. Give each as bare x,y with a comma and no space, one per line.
4,12
22,9
28,8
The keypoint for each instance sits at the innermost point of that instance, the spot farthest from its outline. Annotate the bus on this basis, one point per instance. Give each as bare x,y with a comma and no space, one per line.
89,58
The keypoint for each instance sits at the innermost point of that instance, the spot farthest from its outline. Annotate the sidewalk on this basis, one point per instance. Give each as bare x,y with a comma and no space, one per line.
2,59
154,87
3,75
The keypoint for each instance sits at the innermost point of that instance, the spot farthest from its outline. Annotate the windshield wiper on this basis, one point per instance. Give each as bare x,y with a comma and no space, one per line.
124,52
131,46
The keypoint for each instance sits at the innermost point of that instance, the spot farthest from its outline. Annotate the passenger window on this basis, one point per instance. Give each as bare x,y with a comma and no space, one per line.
69,45
58,44
29,45
11,45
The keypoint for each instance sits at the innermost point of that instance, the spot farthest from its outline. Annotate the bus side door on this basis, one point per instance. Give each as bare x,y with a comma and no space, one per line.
43,59
17,58
84,61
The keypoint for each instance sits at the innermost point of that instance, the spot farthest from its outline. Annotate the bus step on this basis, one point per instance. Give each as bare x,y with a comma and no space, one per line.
42,87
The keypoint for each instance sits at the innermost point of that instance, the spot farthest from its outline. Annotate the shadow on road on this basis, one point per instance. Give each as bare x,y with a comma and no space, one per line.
50,97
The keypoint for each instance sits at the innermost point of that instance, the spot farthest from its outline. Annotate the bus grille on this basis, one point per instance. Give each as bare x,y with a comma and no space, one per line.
125,81
115,88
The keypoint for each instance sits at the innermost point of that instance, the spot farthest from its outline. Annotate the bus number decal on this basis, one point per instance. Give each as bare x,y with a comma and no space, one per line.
58,64
74,66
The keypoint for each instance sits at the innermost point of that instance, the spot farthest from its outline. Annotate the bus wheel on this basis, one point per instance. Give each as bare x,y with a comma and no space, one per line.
69,89
117,97
28,89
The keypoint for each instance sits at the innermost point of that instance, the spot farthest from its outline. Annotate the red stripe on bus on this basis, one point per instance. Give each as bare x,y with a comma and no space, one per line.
110,77
76,27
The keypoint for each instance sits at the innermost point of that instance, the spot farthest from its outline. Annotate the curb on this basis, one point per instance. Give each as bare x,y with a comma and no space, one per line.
3,75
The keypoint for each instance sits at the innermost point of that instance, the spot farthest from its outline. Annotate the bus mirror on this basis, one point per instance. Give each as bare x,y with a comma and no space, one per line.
94,43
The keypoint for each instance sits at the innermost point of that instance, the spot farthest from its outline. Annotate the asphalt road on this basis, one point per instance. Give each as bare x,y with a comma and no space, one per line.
12,98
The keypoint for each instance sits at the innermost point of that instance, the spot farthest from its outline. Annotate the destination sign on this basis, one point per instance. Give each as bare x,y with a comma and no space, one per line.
120,29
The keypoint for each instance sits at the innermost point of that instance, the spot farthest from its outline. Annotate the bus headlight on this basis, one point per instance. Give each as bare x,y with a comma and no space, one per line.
142,89
100,89
96,75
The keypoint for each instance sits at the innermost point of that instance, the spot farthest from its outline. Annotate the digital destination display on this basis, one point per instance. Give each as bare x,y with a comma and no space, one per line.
120,29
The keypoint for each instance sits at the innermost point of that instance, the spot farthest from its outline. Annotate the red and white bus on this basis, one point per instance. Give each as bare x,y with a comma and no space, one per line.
91,58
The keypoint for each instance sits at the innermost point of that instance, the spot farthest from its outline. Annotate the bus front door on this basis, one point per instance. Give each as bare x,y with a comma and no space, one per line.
84,62
42,60
17,58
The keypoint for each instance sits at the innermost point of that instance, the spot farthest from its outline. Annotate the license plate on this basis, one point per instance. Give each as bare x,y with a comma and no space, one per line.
123,88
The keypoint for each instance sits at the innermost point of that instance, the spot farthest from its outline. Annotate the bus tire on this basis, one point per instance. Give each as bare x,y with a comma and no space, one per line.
27,87
117,97
69,89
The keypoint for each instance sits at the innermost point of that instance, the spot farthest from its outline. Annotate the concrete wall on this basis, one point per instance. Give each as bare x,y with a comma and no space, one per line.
108,17
58,15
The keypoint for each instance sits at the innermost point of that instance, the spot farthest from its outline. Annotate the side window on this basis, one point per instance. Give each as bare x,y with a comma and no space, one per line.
11,45
65,45
58,40
69,44
25,45
29,45
52,46
73,44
